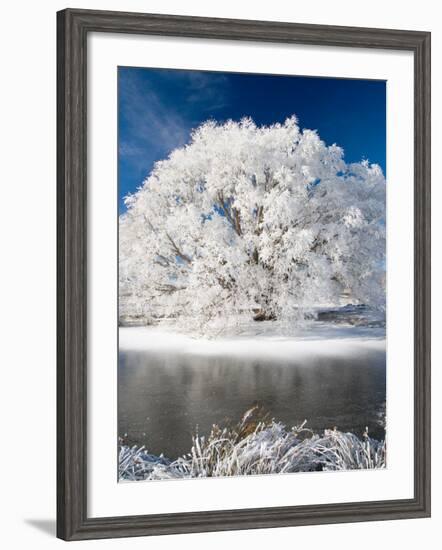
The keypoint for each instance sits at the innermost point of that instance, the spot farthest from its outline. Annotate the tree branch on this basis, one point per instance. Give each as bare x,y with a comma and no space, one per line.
178,252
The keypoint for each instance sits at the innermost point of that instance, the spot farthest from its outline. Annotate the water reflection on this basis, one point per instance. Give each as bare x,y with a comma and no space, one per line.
164,397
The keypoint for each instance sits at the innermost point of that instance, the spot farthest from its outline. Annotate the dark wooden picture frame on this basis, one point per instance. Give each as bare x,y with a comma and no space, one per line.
73,27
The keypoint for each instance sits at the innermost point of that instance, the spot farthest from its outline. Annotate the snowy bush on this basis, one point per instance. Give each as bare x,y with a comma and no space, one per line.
266,222
256,447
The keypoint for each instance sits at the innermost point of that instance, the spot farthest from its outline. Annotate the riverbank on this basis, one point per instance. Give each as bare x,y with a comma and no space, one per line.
256,447
260,339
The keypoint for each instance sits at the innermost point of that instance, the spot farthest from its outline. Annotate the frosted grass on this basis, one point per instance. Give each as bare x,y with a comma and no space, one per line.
256,446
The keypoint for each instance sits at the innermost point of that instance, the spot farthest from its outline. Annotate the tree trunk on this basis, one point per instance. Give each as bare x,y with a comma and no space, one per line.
261,315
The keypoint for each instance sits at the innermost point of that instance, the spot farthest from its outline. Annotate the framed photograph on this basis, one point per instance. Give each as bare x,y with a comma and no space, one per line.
243,274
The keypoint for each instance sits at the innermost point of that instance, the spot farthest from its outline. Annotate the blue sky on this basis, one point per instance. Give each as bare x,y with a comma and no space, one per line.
157,109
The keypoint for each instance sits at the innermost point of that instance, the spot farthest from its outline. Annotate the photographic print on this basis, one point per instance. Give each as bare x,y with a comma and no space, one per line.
252,274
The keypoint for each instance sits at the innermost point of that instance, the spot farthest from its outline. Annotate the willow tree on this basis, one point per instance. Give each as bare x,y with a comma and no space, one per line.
266,222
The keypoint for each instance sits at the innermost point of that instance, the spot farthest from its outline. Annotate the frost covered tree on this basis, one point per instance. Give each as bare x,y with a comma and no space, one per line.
267,222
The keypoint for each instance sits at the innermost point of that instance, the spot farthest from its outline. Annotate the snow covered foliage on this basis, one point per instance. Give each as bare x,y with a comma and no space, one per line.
262,447
267,222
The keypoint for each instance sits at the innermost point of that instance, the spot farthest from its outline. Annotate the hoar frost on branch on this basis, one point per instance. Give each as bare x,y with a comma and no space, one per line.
267,222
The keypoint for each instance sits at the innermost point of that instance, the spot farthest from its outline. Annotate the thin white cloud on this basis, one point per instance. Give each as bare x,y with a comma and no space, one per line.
152,124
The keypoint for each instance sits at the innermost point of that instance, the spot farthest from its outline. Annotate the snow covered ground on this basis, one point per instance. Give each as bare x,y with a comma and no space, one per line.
261,340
